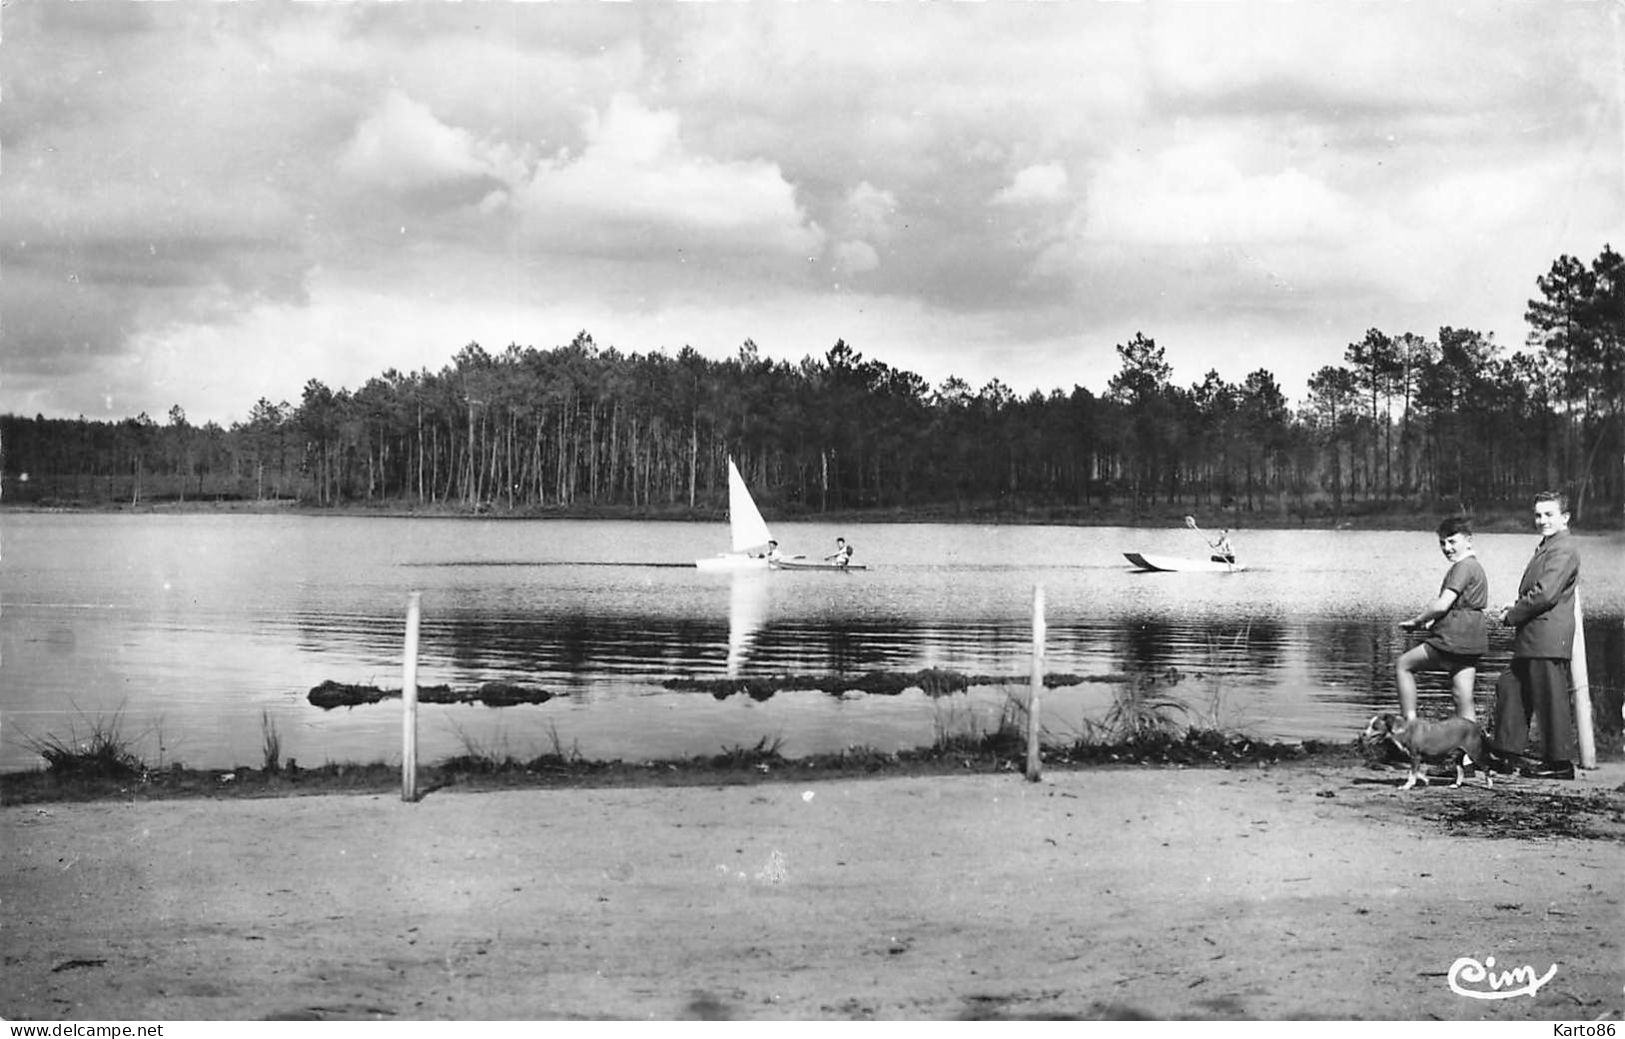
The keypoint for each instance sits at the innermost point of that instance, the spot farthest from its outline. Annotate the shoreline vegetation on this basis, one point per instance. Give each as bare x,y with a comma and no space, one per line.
107,772
1411,518
1147,724
1534,810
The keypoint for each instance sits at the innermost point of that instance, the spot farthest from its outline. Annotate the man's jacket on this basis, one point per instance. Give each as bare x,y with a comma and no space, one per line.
1544,612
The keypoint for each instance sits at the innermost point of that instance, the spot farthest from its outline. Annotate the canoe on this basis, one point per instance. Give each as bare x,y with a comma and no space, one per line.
813,564
1177,564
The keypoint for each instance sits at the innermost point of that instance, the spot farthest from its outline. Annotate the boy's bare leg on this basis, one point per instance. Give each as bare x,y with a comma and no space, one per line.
1461,686
1405,669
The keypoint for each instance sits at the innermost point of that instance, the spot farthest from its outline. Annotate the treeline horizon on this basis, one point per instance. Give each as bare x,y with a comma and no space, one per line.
1451,423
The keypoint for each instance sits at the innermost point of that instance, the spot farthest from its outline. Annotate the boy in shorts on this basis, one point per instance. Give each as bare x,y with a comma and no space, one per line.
1454,623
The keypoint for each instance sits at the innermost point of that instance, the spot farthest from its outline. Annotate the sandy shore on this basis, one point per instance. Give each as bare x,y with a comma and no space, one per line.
1305,891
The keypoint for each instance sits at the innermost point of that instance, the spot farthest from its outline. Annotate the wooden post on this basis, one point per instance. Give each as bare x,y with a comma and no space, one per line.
1037,685
1582,689
409,701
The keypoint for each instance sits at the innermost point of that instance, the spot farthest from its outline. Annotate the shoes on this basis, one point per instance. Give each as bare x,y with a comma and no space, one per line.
1499,763
1548,770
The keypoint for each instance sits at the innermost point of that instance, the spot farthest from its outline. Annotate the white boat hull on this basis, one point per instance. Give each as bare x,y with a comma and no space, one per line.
731,561
1178,564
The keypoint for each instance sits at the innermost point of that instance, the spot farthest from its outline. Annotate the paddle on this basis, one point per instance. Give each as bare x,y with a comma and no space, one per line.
1190,521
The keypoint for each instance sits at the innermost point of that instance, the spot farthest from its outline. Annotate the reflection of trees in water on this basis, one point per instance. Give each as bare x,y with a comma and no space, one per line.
570,645
656,648
1605,656
1354,654
1361,651
1346,647
1349,646
1150,643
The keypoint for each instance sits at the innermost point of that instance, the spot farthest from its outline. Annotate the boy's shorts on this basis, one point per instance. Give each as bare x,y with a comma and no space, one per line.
1455,661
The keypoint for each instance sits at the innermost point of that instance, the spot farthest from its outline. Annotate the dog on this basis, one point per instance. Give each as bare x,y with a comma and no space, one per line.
1457,740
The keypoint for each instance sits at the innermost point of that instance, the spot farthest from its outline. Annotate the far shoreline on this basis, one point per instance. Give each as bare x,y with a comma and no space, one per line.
1499,521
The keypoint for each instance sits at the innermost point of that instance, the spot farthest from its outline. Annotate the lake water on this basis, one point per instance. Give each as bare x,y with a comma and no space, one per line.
191,626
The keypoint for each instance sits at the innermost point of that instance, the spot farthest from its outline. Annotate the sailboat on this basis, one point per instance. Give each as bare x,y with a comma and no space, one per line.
748,530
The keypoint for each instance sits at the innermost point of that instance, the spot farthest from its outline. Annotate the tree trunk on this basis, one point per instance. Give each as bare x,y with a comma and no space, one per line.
693,458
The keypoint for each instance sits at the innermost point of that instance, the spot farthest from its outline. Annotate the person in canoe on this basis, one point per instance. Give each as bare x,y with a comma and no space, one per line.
842,554
773,552
1454,622
1222,552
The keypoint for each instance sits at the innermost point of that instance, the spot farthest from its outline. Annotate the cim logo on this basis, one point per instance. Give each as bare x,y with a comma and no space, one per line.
1519,981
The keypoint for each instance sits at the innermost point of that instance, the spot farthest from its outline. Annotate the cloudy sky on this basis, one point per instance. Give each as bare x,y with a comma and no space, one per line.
205,204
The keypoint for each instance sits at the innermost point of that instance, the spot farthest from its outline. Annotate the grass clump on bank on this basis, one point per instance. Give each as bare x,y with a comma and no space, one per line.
104,752
1146,724
1150,724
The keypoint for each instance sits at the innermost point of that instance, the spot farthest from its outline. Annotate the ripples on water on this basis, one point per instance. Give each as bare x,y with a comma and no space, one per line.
194,625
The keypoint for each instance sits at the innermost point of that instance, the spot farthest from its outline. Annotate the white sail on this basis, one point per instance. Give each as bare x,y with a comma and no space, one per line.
744,518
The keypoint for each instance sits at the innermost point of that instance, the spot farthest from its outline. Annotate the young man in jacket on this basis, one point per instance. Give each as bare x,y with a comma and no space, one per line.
1538,681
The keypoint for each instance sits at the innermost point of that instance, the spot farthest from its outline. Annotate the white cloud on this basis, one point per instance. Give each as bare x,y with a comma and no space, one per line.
635,182
985,189
1197,195
866,216
1264,238
402,145
1043,183
870,211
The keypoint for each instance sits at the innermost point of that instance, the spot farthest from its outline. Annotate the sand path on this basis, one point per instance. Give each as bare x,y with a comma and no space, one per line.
1296,892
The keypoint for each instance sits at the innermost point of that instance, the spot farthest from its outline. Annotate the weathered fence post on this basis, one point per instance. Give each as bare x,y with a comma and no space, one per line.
1582,689
409,701
1037,684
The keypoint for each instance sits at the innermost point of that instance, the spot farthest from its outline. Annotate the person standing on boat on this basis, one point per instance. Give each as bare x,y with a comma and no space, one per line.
842,554
1454,623
1539,679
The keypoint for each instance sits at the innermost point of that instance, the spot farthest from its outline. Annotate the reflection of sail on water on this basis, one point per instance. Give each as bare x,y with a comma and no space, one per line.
747,613
744,518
